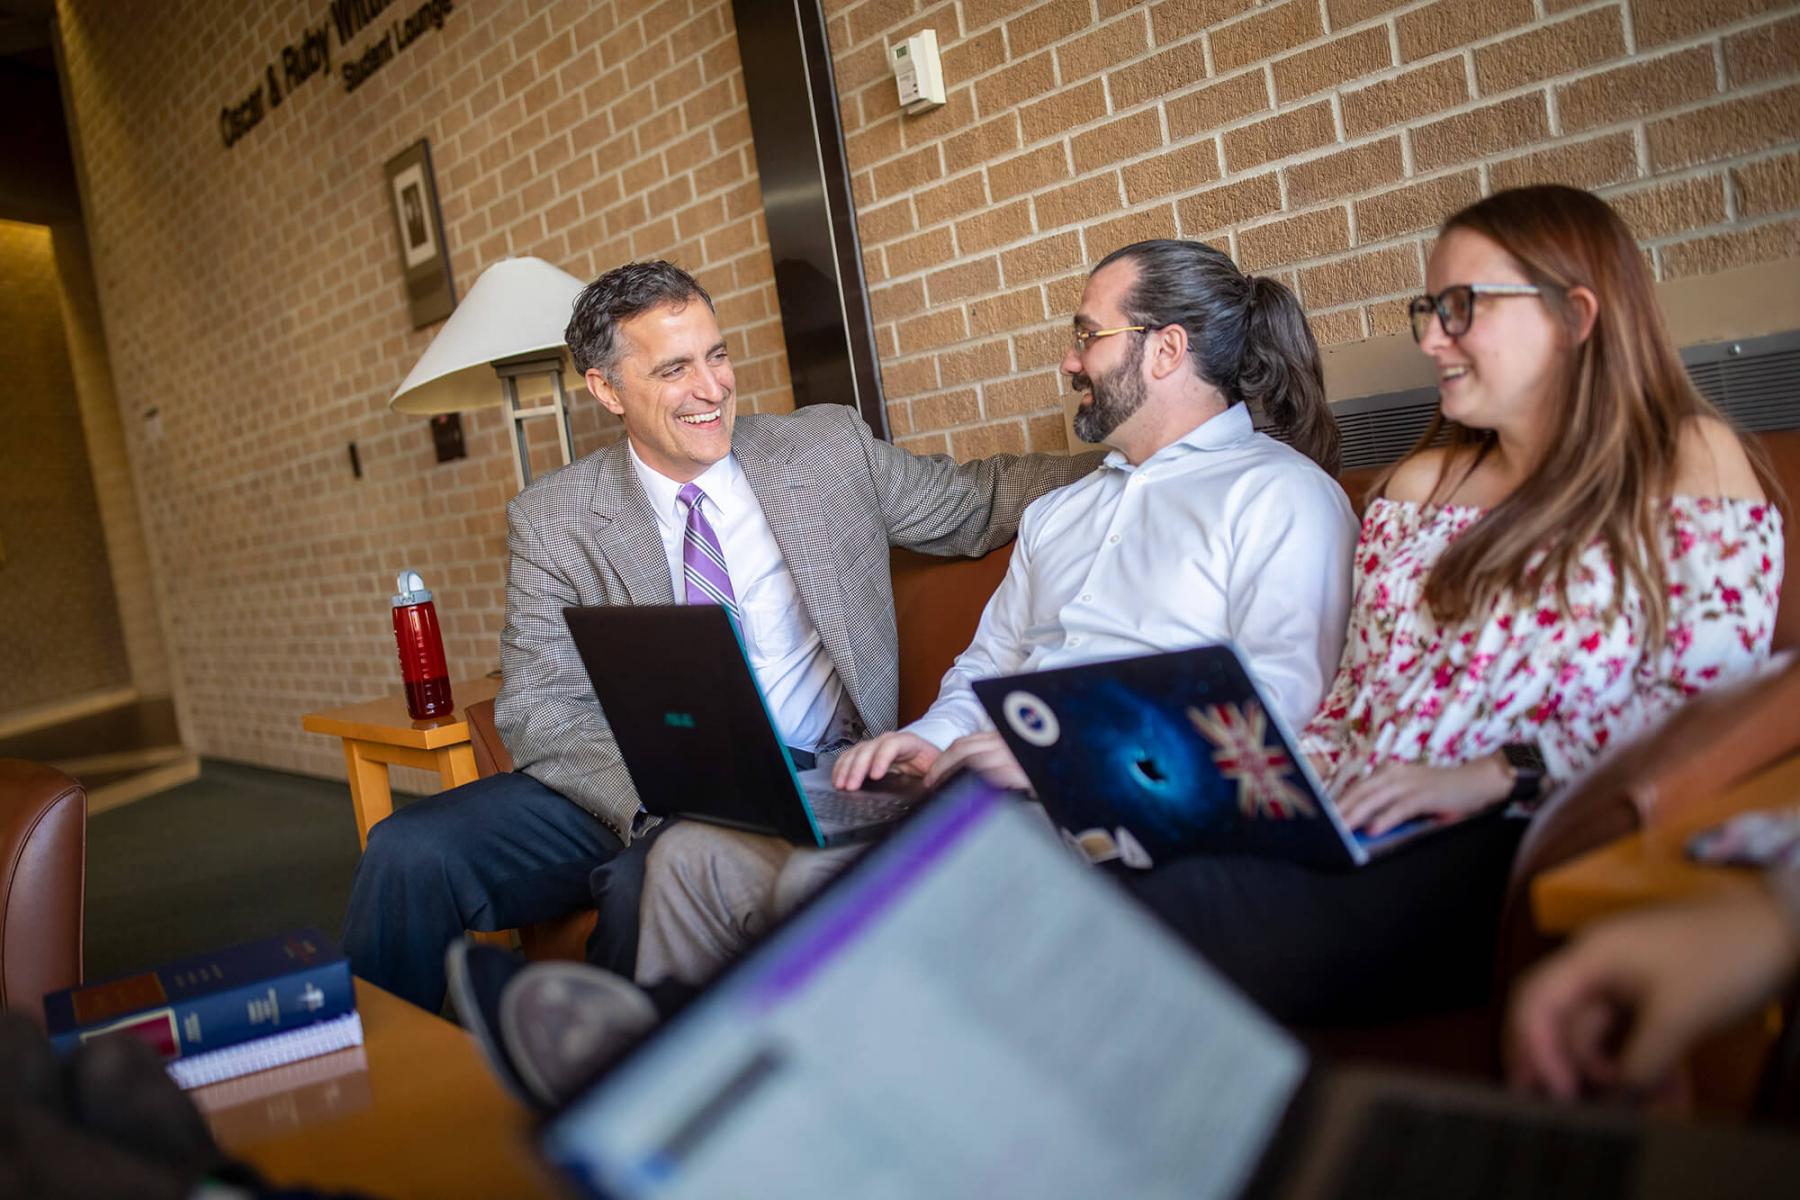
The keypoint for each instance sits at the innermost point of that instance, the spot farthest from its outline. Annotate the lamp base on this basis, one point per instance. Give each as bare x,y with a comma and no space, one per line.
510,371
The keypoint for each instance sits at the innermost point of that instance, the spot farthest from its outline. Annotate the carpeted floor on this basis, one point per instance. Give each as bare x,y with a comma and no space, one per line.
239,853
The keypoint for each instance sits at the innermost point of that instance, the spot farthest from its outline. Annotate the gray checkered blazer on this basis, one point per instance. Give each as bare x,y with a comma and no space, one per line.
835,496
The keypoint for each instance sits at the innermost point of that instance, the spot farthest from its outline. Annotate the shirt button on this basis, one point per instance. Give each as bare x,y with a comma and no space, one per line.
1075,641
1114,539
1086,596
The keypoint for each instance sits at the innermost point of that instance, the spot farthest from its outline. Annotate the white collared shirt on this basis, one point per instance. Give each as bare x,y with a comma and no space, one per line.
786,653
1224,535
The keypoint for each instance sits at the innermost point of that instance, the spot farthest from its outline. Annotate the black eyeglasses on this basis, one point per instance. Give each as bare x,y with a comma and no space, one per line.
1454,307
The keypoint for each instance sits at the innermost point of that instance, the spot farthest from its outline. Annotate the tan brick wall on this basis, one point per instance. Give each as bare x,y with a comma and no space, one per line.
1319,140
252,296
59,625
127,554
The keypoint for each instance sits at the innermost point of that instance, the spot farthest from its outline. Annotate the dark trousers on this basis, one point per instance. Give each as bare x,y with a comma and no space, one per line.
1412,932
498,853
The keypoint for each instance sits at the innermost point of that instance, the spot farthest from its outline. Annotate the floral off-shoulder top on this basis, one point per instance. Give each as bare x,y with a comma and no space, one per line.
1411,690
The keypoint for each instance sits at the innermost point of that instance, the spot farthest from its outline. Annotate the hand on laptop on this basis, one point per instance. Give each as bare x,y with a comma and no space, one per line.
907,753
1617,1008
986,754
1397,792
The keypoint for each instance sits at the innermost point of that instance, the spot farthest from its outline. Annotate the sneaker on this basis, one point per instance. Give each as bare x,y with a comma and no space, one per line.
562,1021
544,1028
477,975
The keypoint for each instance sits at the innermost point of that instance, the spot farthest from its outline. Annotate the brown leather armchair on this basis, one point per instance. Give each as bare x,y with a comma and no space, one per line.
43,873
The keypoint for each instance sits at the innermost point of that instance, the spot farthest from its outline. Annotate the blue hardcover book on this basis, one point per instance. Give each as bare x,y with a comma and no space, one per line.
210,1001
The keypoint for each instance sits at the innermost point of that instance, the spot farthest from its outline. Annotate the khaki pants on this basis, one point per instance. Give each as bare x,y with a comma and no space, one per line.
710,891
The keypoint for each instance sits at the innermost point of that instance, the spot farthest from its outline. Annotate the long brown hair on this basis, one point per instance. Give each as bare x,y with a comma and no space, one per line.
1610,467
1248,337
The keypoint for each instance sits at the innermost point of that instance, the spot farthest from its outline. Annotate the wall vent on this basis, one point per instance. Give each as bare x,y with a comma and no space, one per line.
1754,381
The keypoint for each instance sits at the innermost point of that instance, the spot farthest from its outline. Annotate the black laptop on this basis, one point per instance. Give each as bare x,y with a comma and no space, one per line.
1155,757
969,1011
696,735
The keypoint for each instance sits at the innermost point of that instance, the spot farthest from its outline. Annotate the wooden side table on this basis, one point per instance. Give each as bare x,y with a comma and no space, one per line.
378,734
1651,867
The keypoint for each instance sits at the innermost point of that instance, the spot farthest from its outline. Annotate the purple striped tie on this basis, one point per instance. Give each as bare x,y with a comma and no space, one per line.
702,561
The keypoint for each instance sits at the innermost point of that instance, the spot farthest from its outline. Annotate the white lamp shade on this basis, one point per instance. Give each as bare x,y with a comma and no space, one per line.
518,306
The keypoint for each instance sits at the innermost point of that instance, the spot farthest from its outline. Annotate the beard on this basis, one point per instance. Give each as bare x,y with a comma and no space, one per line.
1116,396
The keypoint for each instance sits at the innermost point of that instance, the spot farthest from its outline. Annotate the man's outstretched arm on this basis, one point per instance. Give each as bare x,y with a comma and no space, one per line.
936,505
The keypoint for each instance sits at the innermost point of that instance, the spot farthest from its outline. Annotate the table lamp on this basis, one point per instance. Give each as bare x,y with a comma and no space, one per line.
509,326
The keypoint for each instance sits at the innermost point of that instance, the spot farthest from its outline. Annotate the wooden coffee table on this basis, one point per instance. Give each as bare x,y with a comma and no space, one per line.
413,1113
380,733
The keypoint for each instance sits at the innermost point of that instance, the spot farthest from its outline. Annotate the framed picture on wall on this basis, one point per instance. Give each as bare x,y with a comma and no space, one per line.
419,234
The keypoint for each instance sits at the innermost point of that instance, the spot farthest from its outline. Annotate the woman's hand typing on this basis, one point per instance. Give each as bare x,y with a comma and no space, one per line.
1393,794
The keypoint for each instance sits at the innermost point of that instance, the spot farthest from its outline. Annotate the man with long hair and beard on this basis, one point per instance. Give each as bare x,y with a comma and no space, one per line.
1120,393
1196,529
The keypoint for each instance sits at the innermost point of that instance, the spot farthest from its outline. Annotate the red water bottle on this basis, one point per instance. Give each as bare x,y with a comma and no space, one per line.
421,646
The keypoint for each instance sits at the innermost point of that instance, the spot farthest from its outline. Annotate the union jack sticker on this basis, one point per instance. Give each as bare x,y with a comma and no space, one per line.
1264,773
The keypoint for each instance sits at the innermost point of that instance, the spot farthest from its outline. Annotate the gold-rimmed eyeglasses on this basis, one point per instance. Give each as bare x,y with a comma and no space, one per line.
1454,307
1079,338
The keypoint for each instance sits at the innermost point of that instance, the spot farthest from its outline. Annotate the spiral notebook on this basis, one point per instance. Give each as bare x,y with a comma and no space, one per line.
275,1050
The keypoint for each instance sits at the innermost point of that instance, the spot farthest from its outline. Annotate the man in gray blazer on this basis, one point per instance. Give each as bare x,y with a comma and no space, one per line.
787,519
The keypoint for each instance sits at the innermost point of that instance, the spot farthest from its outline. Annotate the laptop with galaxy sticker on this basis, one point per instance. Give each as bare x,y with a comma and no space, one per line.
1152,758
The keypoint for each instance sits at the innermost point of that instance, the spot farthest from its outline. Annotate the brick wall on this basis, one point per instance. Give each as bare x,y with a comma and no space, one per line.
253,298
1319,140
60,635
127,556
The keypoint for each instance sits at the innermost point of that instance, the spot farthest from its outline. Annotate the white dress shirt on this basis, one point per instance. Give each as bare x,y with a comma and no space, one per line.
786,653
1224,535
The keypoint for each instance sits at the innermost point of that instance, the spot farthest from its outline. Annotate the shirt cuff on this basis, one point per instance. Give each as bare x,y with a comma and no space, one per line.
642,822
935,730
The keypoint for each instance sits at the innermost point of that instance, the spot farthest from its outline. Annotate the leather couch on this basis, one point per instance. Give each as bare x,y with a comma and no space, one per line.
43,874
1703,750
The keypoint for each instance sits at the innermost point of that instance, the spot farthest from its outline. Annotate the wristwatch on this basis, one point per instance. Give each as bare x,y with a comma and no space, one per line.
1527,768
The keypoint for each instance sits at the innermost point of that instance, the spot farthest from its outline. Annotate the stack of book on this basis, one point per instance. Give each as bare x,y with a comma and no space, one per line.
221,1015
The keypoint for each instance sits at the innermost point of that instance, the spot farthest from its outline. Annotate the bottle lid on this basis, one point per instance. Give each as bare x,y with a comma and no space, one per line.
411,587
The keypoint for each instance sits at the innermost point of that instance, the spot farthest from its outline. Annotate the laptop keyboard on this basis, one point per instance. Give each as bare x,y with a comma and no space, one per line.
1409,1151
849,809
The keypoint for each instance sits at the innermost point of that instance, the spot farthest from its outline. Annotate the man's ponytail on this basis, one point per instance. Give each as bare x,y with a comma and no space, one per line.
1247,337
1280,374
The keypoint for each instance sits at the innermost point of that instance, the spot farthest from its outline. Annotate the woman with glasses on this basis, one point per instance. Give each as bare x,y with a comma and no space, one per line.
1577,544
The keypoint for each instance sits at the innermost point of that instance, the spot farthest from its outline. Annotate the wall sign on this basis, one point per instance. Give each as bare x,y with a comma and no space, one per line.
419,233
308,57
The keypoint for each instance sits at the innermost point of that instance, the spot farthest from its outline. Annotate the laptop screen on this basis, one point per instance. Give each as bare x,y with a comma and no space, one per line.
968,1012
